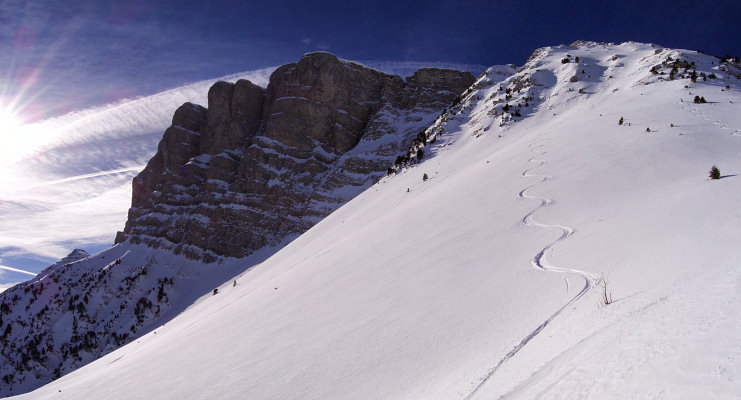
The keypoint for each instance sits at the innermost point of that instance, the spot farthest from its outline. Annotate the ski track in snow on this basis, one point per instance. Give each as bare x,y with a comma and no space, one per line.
722,124
540,262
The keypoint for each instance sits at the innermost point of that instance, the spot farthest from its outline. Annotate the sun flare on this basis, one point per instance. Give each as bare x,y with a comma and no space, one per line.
8,122
17,138
10,134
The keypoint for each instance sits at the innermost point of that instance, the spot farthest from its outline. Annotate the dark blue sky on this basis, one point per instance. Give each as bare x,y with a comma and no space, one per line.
60,55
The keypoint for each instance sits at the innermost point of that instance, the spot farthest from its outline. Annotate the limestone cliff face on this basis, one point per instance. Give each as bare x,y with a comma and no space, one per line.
260,164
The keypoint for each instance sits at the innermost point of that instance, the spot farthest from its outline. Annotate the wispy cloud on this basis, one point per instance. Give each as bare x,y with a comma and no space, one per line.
83,176
72,187
16,270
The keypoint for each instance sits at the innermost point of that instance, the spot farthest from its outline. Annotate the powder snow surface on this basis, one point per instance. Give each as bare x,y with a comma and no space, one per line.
484,281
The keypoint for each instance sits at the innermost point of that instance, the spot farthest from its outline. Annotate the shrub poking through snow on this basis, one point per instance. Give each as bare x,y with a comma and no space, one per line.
700,100
606,295
424,177
714,172
620,122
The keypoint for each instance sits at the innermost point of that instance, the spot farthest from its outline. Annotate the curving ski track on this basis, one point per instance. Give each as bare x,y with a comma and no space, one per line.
539,261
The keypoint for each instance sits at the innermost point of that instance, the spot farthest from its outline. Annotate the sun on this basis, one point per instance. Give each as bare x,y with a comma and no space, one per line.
9,123
13,136
20,139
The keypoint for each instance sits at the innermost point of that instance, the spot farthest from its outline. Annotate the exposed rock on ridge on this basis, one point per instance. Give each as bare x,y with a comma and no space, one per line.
263,164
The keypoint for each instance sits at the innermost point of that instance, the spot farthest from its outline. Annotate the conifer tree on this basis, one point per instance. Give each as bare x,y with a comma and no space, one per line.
714,172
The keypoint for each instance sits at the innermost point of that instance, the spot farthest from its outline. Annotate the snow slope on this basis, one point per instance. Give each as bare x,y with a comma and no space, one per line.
484,281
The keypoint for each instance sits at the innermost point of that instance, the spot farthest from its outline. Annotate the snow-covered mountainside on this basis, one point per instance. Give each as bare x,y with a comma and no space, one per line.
478,271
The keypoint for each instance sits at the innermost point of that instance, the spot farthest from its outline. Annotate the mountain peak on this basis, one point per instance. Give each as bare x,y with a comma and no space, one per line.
279,159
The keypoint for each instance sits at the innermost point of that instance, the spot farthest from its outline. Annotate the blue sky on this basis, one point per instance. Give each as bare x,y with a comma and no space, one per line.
58,56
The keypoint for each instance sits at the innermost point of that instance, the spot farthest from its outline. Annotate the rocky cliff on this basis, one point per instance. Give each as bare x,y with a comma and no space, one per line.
260,165
257,167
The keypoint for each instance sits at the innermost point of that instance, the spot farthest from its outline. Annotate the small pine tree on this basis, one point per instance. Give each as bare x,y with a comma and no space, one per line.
648,129
714,172
621,121
424,177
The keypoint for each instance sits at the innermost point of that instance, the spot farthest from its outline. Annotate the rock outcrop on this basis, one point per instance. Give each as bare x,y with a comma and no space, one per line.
260,164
